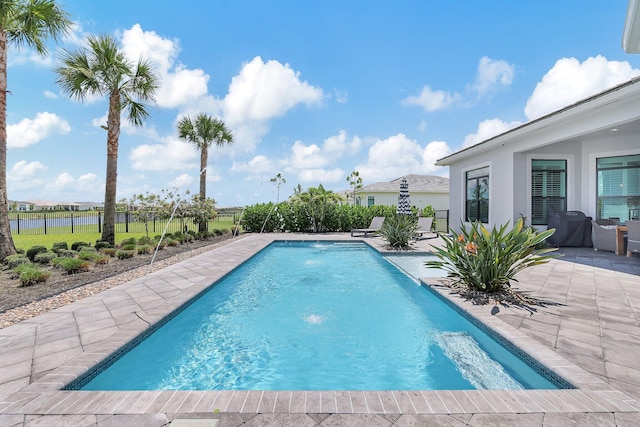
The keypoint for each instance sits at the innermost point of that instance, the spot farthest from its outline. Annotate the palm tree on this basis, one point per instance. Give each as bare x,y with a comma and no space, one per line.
317,199
30,23
203,133
100,69
279,181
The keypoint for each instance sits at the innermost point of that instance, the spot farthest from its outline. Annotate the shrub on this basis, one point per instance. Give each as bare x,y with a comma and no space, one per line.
101,245
75,246
59,246
398,230
129,241
102,259
67,253
219,232
45,257
179,237
144,240
160,244
488,260
88,249
172,242
125,254
71,265
13,261
128,247
31,253
87,255
144,249
20,251
31,274
108,251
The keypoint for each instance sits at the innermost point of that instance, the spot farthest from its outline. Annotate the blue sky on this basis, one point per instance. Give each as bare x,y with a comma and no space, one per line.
311,90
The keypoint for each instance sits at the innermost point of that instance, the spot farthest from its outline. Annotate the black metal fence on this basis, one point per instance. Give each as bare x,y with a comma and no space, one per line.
31,223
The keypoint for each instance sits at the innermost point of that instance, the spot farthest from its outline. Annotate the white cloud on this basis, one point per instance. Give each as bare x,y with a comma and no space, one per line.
261,92
179,85
50,95
22,171
31,131
492,73
180,181
432,152
569,81
430,100
321,175
487,129
342,97
87,183
171,155
257,165
398,155
314,157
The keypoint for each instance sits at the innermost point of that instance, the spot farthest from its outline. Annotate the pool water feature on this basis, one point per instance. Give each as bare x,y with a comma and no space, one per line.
316,316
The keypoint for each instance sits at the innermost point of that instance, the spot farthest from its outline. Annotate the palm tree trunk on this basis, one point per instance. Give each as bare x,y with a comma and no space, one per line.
204,154
113,134
7,247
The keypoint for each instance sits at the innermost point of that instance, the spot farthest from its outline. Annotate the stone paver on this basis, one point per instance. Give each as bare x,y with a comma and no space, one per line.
588,331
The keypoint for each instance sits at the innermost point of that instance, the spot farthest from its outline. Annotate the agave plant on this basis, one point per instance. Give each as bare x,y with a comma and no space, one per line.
489,260
398,230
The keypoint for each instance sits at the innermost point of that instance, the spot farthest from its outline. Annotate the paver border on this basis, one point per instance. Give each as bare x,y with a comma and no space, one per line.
45,395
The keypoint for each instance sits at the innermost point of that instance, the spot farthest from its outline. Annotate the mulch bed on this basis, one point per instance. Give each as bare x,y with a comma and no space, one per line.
12,295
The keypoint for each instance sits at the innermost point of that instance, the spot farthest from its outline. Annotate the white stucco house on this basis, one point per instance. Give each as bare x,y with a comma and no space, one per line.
584,157
424,190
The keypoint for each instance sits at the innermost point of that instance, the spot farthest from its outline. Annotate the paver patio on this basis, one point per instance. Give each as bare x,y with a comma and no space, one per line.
589,333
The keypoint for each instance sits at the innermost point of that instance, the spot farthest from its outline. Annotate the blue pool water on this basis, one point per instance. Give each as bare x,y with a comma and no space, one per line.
318,316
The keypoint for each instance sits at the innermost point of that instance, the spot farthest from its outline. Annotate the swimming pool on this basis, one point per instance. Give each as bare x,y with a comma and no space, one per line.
317,316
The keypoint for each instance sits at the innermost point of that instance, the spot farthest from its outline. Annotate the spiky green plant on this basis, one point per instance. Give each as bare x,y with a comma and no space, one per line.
398,230
488,260
31,274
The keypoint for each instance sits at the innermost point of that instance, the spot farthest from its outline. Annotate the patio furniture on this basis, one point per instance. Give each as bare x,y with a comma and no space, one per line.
603,237
374,227
425,225
633,242
573,228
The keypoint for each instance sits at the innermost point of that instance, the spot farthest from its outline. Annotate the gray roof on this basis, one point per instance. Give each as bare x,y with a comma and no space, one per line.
417,184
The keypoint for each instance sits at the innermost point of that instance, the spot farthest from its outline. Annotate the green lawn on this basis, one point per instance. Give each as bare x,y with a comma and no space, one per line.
137,230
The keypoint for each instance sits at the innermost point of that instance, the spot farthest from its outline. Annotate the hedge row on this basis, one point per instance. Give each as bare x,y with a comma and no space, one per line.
283,217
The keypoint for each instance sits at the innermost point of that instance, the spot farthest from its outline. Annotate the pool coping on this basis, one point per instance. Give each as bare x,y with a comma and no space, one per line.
191,277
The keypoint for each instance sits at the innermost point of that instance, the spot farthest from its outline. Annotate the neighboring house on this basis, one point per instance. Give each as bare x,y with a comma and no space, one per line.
47,205
424,190
584,157
20,206
90,206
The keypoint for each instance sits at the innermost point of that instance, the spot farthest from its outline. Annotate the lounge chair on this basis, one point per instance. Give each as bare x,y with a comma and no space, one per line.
603,236
425,225
633,234
376,224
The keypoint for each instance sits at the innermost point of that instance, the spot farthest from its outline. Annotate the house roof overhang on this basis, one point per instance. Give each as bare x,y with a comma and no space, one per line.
596,104
631,32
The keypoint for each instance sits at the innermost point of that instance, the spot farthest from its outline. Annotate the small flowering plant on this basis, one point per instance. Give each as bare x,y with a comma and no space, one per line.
488,260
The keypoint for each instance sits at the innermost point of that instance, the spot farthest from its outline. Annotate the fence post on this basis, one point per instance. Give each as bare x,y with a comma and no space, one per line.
126,222
18,221
99,222
44,216
71,222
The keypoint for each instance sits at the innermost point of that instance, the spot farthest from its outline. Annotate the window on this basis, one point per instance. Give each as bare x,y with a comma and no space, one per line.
618,187
371,201
477,195
548,188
